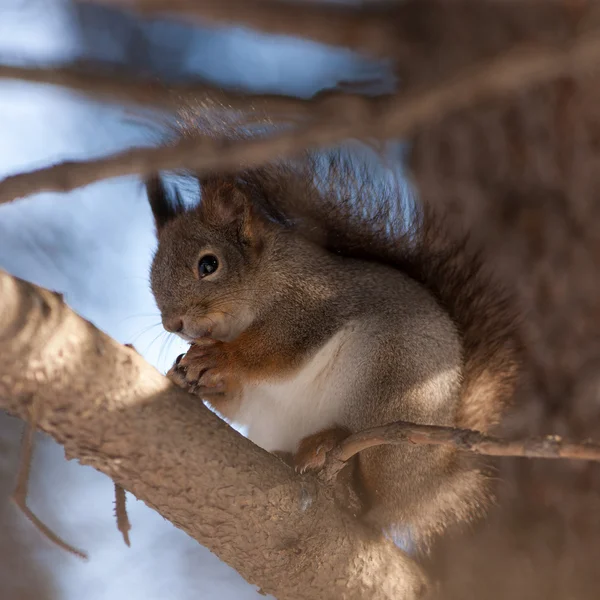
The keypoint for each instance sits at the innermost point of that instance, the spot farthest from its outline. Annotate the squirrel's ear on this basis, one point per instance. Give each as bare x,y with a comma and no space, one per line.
225,205
165,205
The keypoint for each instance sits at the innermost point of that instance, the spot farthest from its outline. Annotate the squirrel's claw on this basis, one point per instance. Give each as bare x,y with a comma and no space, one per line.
201,372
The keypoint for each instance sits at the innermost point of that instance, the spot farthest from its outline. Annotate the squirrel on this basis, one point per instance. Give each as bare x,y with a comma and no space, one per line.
319,302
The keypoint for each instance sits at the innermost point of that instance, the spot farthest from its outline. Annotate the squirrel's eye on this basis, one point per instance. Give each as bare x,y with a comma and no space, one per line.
207,265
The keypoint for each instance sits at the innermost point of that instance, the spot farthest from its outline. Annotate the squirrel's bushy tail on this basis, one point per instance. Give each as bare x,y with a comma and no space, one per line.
358,209
484,312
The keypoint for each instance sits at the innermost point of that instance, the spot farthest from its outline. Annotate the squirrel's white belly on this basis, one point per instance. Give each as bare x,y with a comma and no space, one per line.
277,416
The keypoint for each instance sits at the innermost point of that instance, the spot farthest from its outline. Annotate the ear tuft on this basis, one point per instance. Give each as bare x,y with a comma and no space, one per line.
165,205
223,203
227,204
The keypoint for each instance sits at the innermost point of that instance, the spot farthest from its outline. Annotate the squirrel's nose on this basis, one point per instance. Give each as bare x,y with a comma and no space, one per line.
173,324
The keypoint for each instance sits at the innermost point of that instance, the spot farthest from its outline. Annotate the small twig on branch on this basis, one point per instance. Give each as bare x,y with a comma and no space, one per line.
400,432
19,496
385,117
123,524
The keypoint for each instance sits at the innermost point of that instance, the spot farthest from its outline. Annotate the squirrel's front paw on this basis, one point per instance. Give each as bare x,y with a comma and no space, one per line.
205,371
312,450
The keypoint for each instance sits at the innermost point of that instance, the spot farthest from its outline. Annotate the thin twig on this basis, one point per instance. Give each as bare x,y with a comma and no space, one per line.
101,84
19,496
401,432
123,524
348,116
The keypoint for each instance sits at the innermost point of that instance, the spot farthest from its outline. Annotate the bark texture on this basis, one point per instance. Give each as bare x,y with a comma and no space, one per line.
113,411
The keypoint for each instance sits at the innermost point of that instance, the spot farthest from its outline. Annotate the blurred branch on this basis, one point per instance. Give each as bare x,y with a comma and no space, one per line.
129,88
113,411
550,447
333,120
369,29
404,31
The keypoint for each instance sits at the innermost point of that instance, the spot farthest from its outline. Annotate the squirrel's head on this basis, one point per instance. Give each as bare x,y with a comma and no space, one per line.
205,274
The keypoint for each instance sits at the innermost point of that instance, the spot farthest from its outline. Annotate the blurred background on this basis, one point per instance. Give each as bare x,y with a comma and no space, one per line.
95,245
521,174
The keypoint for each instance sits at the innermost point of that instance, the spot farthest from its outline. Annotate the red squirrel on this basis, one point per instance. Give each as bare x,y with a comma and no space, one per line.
317,304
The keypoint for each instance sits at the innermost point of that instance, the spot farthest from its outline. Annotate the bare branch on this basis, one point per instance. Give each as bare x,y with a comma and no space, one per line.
129,88
112,411
19,496
367,29
334,120
404,31
123,524
550,447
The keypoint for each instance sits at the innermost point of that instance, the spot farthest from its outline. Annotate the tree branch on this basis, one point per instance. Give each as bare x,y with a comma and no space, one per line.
550,447
367,29
130,88
19,496
112,411
404,31
333,120
123,524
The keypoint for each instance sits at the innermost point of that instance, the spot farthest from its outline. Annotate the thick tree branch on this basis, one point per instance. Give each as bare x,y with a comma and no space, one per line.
344,117
113,411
